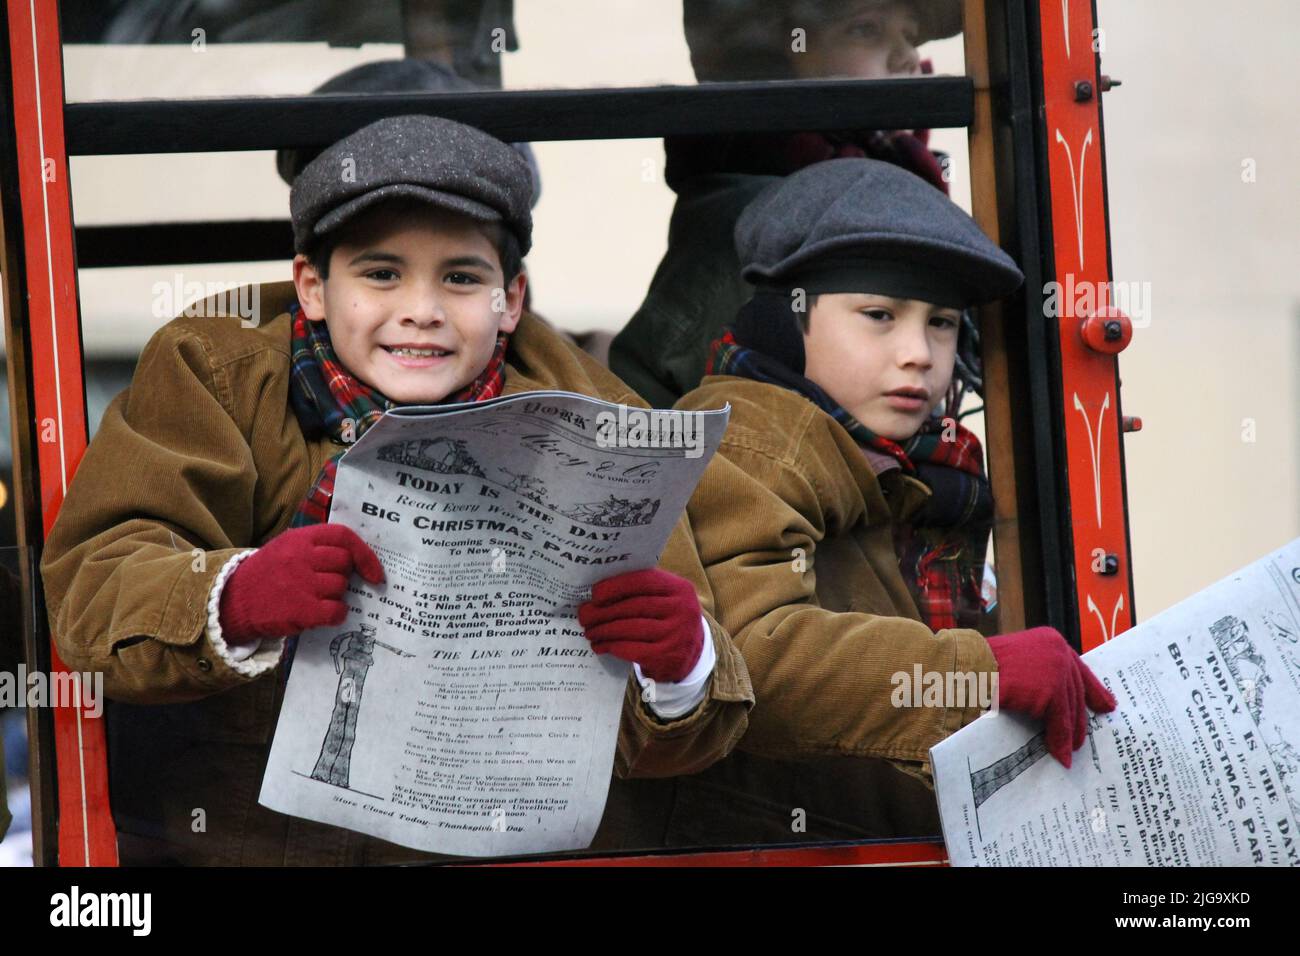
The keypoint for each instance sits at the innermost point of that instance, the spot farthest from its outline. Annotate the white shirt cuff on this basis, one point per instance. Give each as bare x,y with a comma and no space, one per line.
670,700
250,659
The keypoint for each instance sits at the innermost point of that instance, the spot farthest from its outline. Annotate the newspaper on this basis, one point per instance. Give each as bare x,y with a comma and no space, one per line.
1198,765
459,709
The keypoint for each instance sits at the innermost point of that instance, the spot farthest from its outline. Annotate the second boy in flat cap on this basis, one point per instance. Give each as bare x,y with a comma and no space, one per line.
194,538
844,522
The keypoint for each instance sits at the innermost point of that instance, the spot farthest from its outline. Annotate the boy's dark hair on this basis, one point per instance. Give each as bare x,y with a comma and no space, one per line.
506,243
804,315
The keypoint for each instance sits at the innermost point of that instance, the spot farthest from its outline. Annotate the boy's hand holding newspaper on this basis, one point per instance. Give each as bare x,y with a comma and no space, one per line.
651,618
1039,674
294,582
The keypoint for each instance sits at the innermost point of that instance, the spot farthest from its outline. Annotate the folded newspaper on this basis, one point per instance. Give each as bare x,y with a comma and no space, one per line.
458,708
1199,765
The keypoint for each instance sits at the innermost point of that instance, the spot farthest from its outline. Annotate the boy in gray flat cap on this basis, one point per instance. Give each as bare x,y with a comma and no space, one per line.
844,523
195,538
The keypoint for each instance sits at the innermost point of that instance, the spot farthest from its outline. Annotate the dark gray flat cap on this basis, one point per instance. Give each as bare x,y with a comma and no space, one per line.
862,225
439,161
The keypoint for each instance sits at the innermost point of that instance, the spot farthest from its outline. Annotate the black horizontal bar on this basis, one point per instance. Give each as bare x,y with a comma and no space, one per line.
184,243
265,122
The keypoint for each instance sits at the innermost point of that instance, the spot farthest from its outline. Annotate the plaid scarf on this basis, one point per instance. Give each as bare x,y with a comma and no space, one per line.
328,400
941,549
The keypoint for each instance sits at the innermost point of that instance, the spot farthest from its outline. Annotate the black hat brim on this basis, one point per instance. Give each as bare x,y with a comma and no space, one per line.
341,214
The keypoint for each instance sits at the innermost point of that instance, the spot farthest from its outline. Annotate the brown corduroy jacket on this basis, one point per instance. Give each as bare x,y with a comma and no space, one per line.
199,459
795,531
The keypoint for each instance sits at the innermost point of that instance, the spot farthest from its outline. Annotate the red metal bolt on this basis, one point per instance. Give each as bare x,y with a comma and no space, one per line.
1108,331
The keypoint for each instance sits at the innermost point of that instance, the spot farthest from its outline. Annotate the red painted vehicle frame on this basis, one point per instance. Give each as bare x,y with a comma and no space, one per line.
1037,145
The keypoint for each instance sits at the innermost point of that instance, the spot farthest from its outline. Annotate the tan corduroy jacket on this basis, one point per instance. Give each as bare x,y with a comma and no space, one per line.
199,459
795,532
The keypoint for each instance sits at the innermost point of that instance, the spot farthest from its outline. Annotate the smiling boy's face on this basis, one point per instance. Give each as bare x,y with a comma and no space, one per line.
414,301
860,348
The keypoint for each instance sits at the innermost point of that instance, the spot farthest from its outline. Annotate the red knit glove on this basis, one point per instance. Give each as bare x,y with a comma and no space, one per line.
651,618
1039,674
293,582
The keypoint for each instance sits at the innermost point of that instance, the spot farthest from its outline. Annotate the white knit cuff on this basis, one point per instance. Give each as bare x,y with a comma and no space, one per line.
252,659
672,699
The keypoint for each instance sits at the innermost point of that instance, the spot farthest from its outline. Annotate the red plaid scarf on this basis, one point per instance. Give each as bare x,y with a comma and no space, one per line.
943,563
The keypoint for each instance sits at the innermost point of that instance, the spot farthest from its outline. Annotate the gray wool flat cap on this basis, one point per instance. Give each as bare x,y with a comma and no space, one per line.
439,161
862,225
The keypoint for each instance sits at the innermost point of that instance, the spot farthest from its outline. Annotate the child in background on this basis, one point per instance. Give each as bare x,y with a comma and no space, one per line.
697,286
